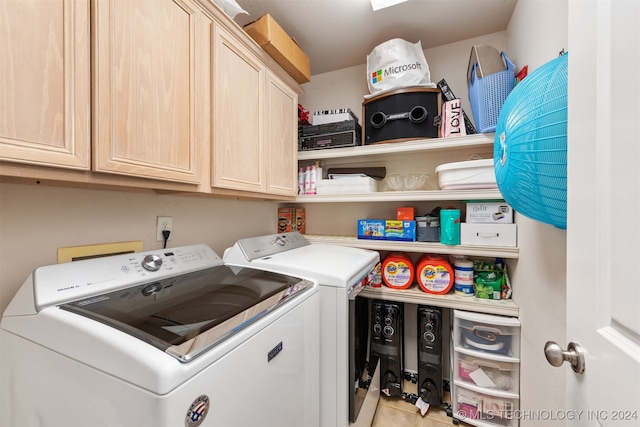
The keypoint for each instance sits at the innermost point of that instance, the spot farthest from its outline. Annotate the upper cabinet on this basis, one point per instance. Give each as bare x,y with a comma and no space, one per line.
254,122
166,94
238,116
146,96
45,83
281,129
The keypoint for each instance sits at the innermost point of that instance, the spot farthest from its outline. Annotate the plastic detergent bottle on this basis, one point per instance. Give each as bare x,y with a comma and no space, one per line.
375,276
312,180
398,270
434,273
307,181
318,173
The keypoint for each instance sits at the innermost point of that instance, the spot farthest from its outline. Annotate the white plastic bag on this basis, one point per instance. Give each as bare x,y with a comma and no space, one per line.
397,64
230,7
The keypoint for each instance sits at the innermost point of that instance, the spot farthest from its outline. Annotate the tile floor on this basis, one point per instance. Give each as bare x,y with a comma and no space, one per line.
395,412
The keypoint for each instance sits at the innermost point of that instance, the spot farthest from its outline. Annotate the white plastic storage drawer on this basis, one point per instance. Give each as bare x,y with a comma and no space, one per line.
355,185
467,175
476,407
495,373
493,335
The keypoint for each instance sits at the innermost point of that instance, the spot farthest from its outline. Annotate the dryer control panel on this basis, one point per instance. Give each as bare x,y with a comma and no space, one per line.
261,246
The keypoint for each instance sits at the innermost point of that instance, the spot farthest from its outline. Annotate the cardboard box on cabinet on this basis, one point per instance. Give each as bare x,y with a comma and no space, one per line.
281,47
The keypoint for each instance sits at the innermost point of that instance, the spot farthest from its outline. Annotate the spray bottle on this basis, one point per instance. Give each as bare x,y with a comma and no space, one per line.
301,175
318,173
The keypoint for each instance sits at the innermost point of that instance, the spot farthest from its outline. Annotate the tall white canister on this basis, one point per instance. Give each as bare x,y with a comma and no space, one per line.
463,277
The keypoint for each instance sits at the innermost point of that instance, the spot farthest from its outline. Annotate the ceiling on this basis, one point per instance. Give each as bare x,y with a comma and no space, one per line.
337,34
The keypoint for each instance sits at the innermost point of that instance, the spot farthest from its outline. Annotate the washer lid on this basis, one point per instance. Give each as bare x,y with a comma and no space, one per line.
188,314
331,265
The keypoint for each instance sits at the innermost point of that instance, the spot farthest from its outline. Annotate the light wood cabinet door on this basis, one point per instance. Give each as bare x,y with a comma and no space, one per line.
45,82
282,136
238,116
145,93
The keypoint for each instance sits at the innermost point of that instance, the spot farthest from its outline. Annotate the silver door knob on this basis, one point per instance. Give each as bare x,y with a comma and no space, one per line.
556,356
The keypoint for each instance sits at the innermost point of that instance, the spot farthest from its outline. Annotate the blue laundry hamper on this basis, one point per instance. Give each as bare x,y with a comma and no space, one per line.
487,94
530,146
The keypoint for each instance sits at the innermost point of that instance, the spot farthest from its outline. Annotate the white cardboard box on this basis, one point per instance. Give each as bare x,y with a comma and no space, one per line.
489,213
488,234
332,116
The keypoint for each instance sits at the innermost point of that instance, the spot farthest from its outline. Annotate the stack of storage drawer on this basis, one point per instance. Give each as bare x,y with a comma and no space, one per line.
486,369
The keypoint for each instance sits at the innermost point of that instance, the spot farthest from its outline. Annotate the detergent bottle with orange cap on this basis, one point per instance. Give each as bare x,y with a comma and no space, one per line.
398,270
434,274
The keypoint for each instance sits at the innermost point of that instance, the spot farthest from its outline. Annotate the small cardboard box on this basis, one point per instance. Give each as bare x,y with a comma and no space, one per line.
390,229
489,213
286,221
488,234
489,61
281,47
405,213
291,219
300,224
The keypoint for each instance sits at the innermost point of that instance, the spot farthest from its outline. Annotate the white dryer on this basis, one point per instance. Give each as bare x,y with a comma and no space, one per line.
349,383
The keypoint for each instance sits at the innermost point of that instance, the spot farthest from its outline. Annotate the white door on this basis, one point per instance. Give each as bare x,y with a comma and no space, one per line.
603,228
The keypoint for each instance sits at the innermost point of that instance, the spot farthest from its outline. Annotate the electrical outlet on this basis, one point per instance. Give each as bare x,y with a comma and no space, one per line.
164,223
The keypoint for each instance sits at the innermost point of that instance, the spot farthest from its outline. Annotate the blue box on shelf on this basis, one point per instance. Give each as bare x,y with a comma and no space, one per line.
387,229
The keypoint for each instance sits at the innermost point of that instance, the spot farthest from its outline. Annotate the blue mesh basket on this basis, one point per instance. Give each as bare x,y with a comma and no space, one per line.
530,147
487,94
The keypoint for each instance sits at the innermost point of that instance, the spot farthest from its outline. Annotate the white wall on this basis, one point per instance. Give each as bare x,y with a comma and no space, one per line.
537,32
36,220
346,88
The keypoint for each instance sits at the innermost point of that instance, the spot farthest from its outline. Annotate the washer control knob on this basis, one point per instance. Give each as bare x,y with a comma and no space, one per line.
388,331
152,262
151,289
377,328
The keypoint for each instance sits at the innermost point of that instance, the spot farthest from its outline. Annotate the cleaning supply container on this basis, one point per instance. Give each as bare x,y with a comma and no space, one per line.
463,280
398,271
434,274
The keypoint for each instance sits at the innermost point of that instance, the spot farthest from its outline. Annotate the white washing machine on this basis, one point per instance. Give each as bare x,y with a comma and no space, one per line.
349,383
164,338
